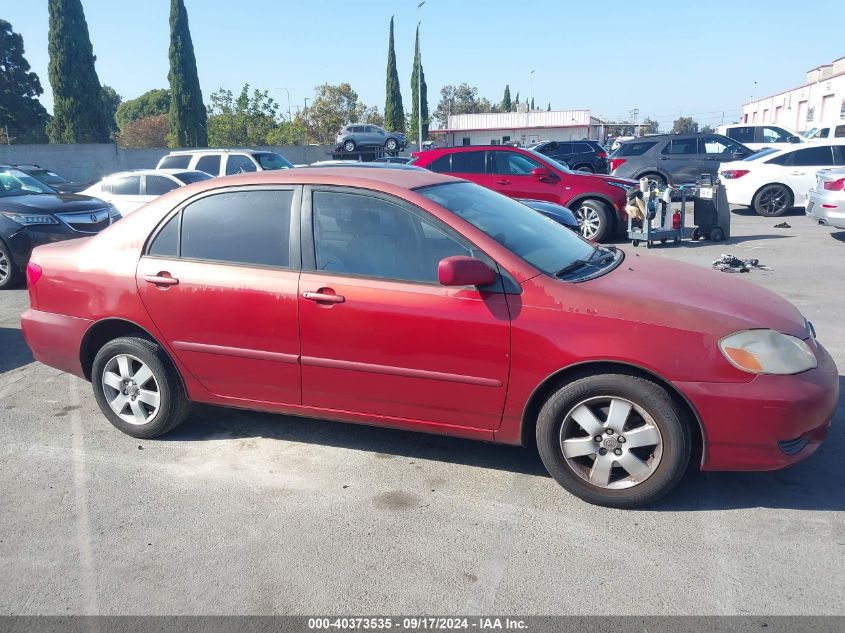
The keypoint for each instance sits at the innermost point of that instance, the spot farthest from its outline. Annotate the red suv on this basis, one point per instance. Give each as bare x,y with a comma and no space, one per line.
597,201
404,298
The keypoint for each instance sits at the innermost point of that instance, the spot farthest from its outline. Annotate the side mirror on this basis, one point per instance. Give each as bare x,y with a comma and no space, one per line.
793,139
464,271
542,174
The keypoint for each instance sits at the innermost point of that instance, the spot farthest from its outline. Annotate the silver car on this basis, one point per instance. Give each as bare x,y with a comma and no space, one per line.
352,137
826,202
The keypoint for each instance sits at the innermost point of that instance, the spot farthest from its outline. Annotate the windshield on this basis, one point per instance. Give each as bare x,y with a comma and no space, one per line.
541,242
551,161
48,176
189,177
270,161
17,183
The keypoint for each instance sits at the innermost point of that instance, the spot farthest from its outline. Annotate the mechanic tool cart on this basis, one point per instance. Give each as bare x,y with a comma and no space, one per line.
711,211
650,216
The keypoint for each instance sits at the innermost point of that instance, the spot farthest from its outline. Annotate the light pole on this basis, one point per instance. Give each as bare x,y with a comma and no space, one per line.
287,92
419,80
532,89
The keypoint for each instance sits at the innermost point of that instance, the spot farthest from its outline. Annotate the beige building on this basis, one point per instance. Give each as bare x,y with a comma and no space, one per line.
818,102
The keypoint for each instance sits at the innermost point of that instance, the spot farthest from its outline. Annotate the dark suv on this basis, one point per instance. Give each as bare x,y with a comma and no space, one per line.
32,213
675,158
588,156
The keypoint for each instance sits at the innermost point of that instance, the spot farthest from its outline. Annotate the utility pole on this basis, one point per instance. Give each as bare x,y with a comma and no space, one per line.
419,80
532,86
290,118
634,114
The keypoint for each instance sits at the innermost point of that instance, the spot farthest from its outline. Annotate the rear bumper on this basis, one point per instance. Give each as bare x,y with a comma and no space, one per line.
768,423
833,216
55,339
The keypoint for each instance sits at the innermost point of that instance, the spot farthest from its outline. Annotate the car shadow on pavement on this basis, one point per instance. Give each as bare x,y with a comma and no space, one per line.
817,483
14,352
838,236
209,422
749,212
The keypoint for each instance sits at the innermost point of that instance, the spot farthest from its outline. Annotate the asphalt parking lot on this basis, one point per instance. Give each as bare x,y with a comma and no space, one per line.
248,513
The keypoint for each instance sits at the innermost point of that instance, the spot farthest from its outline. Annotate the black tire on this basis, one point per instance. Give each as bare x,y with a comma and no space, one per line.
772,201
657,178
10,276
665,470
587,169
173,404
594,220
635,243
717,235
349,146
391,145
696,234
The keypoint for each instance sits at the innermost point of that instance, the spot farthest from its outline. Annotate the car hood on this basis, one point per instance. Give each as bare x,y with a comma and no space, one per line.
658,291
50,203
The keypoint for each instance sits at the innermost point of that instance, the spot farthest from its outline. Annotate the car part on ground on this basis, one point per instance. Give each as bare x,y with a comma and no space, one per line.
493,323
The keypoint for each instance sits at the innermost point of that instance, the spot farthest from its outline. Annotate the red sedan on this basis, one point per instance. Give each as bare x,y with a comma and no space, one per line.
410,299
597,201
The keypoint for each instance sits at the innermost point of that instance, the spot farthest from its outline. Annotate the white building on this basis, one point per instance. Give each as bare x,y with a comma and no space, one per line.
524,128
818,102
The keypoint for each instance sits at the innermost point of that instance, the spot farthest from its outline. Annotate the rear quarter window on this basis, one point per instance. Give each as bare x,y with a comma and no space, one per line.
635,149
175,162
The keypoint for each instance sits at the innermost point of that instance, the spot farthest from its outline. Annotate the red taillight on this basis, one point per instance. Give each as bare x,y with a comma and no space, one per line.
615,163
33,273
733,174
835,185
602,154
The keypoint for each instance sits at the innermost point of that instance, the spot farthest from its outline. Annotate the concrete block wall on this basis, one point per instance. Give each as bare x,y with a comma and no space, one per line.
90,162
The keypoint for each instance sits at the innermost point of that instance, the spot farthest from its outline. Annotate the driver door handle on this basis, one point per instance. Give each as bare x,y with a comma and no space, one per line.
503,182
320,297
162,279
796,173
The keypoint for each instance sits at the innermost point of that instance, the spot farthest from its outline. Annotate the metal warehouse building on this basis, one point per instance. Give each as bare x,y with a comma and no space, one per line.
525,128
818,102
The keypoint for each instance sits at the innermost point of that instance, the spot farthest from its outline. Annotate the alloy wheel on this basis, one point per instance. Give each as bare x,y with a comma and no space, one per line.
5,267
391,145
773,200
588,221
349,146
131,389
610,442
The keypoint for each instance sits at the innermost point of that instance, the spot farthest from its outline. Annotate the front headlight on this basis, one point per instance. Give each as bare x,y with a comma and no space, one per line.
27,219
767,352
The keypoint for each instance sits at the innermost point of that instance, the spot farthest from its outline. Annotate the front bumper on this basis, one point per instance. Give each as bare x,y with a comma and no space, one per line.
833,216
28,237
768,423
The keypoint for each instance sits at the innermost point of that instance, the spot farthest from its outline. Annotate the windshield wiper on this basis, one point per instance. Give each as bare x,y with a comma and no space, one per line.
608,255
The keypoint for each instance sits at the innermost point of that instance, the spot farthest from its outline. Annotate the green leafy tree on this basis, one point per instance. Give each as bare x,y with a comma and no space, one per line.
394,112
507,106
79,114
111,102
20,110
289,132
151,103
333,107
188,117
420,97
707,129
462,99
649,126
684,125
374,117
247,119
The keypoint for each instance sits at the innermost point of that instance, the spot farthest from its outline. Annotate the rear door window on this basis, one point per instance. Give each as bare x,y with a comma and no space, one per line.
209,164
681,147
820,156
126,186
743,134
635,148
468,162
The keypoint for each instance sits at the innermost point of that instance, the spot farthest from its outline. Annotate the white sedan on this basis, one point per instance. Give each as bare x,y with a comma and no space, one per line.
774,180
130,190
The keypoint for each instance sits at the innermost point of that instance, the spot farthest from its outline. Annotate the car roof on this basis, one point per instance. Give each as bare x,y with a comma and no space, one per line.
217,150
153,172
365,177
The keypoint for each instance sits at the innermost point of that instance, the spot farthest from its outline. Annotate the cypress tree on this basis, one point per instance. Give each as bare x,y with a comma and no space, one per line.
188,116
516,103
79,114
532,103
21,113
423,100
394,112
507,106
549,108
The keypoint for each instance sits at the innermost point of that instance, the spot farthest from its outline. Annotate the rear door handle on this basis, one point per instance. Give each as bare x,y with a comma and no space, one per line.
321,297
503,182
796,173
162,279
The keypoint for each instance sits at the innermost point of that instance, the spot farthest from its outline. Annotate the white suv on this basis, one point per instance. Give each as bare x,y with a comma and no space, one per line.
758,137
224,162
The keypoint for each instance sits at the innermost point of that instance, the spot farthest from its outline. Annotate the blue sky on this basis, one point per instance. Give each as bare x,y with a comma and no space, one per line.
698,59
